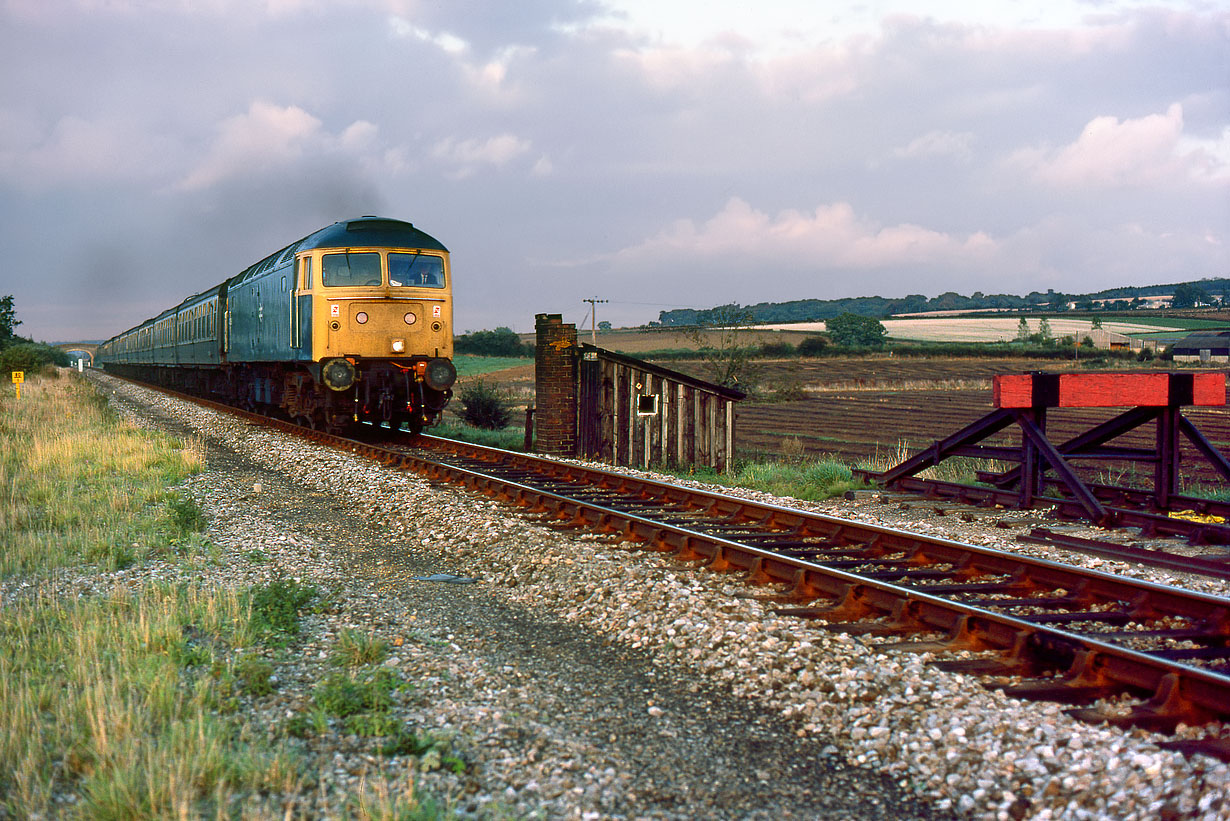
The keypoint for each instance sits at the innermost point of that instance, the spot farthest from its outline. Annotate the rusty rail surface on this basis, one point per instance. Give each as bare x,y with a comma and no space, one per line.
1045,630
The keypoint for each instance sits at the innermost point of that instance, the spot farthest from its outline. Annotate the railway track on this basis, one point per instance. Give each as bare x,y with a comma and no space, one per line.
1126,652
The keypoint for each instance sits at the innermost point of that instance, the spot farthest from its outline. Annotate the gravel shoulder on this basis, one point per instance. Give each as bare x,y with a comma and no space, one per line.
582,680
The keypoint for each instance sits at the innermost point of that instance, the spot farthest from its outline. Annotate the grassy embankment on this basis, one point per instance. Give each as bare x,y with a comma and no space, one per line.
125,704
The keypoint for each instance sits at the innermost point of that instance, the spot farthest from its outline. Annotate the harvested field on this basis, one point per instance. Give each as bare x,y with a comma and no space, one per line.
865,373
875,409
989,329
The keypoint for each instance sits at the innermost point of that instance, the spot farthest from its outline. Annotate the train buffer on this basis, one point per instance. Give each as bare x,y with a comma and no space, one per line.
1047,473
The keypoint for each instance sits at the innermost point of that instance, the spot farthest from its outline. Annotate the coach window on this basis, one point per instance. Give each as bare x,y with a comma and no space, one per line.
416,270
350,270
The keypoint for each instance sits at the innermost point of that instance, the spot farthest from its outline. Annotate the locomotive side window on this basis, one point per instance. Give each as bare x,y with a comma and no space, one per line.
416,270
305,269
343,270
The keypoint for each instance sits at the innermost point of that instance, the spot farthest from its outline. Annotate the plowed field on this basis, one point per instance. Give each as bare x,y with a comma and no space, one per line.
861,411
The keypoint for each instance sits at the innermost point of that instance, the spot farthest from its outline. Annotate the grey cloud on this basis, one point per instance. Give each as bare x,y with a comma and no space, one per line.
637,138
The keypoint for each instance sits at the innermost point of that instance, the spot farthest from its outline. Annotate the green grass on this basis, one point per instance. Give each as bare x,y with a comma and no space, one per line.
1190,323
510,438
809,479
471,365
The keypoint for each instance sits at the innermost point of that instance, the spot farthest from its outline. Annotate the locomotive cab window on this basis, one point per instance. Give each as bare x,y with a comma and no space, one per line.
350,270
416,271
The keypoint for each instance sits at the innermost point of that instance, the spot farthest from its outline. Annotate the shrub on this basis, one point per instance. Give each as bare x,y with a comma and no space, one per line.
484,407
185,515
276,606
813,346
30,357
776,349
253,675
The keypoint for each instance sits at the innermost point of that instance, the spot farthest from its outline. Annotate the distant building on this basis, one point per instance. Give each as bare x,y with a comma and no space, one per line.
1203,346
1109,340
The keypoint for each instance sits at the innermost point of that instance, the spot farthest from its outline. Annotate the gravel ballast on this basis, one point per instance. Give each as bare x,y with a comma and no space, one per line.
580,679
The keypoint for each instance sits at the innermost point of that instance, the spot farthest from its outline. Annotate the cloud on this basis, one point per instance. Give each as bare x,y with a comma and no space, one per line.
264,136
830,236
1113,153
77,151
268,137
466,156
956,145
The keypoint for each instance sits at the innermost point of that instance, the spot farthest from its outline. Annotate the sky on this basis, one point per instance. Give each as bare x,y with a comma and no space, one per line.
657,154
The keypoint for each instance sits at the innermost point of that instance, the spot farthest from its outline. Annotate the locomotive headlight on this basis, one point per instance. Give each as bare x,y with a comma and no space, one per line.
410,318
361,317
399,346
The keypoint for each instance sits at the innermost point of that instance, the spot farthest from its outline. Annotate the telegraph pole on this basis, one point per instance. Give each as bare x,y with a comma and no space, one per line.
593,317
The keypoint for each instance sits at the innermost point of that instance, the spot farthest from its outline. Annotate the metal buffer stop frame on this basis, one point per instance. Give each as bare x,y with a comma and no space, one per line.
1024,399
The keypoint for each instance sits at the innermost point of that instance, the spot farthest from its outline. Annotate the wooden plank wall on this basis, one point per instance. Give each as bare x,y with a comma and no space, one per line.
691,426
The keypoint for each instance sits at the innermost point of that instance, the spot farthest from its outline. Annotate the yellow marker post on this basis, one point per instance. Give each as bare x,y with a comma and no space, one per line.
18,378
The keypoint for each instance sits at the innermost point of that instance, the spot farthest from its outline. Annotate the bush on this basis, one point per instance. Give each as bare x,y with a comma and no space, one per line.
776,349
484,407
500,342
30,357
813,346
276,606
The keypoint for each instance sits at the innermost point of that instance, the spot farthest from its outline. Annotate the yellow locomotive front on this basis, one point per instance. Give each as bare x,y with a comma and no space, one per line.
379,304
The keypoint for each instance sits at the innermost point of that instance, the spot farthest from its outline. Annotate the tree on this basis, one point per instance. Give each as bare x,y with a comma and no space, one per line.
1044,332
8,319
854,331
1188,296
1022,331
717,335
500,342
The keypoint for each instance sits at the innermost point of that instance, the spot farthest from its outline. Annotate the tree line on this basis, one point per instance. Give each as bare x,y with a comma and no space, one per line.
17,353
1206,292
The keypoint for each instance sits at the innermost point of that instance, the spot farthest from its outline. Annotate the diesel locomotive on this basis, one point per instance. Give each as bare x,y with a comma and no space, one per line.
352,323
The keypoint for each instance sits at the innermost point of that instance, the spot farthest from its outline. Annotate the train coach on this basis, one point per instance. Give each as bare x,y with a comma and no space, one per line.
352,323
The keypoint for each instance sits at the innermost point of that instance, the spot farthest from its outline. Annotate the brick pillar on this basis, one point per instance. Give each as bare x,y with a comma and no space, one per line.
555,386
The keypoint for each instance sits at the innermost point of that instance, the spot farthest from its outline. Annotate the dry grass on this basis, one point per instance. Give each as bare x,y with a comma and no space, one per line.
130,704
72,478
107,701
961,469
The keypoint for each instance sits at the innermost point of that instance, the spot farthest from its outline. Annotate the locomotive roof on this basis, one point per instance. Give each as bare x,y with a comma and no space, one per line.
370,231
361,232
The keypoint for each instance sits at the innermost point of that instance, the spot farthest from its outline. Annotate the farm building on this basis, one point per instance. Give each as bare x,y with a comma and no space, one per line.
1203,346
1111,340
